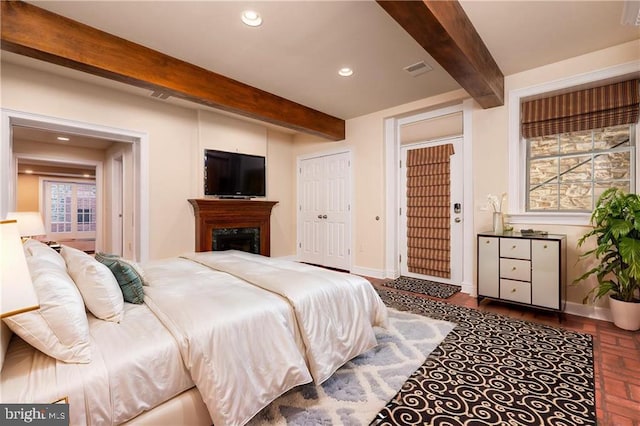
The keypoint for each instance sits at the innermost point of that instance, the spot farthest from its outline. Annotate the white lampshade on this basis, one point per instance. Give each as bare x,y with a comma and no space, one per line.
29,223
18,294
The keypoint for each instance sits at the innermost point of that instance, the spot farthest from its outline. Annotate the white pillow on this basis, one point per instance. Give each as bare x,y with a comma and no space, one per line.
42,251
59,328
98,286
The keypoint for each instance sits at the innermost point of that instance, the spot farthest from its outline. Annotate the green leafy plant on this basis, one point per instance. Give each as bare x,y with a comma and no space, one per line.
616,227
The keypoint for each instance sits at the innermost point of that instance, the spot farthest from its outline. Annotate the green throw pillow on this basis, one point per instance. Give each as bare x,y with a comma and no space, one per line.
128,278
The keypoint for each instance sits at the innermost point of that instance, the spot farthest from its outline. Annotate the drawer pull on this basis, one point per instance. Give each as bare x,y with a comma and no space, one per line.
545,246
513,269
513,290
513,247
487,242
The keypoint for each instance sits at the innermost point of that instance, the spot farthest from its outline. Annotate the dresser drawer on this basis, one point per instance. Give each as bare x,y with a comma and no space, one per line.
515,248
516,291
515,269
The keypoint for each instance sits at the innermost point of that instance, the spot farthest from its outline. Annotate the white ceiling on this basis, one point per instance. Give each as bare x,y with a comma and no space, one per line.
299,48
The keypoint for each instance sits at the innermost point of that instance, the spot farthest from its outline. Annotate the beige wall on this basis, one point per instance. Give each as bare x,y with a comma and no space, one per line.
176,135
28,193
490,138
365,137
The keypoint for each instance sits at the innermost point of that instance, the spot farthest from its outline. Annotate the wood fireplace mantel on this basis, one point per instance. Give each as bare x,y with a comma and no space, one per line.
215,214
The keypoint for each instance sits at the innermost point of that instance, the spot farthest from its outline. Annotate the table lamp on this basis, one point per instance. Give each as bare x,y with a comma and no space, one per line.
29,223
18,294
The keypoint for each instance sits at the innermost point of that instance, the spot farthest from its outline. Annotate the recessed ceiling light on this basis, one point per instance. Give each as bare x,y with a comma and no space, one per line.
345,72
87,175
62,138
251,18
28,171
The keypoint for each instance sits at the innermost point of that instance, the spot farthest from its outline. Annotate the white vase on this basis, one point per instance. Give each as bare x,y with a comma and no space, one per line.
498,223
626,315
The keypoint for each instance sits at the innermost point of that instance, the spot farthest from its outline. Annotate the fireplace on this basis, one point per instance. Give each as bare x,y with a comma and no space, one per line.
233,224
243,239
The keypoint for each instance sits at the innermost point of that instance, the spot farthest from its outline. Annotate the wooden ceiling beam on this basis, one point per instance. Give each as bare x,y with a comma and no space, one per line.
31,31
443,29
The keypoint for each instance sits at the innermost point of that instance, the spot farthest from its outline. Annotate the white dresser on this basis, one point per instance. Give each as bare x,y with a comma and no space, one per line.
524,270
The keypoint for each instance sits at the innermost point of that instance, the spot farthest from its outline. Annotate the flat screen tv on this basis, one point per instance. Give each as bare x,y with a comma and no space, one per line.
234,175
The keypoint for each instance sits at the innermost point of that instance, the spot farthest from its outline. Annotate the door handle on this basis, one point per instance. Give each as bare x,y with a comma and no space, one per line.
457,220
324,216
319,216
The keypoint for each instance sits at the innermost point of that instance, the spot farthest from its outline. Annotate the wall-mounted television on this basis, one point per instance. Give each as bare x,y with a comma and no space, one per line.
234,175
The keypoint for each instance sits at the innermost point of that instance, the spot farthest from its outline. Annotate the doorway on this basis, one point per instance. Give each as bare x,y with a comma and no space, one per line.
135,180
431,211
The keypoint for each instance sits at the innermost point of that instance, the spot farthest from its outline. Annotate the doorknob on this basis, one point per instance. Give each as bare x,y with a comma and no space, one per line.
324,216
319,216
457,220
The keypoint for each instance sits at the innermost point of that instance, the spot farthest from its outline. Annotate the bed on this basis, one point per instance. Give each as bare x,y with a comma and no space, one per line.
211,326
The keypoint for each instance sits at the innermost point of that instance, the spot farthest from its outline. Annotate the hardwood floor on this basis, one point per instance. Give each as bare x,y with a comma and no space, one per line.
616,355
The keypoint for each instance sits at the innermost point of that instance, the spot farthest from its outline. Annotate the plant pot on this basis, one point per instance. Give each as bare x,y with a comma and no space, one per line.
626,315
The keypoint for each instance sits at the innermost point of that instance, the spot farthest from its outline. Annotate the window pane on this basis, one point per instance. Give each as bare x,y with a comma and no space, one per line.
543,171
543,146
86,201
576,196
60,218
576,169
576,142
612,137
614,165
543,197
599,188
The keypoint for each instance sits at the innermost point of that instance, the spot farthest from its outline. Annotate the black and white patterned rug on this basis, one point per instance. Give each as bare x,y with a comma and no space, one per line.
430,288
494,370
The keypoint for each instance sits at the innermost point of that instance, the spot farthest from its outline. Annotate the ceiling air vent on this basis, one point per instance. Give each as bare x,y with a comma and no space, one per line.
418,68
160,95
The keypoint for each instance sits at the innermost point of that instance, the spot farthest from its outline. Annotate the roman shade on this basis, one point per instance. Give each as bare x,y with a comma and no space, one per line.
428,211
597,107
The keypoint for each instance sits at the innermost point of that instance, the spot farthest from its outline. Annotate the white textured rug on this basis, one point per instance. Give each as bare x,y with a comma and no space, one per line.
361,388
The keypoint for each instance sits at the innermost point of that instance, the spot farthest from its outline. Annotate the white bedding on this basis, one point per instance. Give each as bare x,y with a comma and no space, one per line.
135,366
240,343
335,311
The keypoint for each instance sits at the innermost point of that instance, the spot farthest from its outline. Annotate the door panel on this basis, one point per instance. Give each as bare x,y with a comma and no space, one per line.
455,237
337,176
311,201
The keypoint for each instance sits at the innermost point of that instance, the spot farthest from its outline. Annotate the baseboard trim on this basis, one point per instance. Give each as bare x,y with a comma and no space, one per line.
588,311
368,272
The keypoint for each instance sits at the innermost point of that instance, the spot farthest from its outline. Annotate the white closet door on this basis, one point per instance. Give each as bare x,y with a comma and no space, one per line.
337,210
311,180
324,211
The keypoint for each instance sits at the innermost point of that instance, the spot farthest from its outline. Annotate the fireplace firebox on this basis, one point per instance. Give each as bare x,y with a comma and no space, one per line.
243,239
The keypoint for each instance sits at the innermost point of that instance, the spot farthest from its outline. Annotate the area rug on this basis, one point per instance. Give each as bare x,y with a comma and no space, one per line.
494,370
361,388
430,288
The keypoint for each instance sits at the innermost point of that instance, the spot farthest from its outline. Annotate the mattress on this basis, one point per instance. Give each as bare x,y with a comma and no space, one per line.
136,365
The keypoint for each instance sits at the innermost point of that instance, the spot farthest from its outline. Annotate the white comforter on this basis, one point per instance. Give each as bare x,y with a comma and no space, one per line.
240,343
335,311
135,366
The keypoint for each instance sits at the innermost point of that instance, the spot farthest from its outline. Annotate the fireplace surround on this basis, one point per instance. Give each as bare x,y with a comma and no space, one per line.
233,224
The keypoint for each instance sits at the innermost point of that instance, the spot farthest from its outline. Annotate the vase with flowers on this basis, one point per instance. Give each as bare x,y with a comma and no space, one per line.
495,204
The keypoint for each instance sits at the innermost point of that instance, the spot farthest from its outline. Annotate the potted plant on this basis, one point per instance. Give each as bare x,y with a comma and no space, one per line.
616,227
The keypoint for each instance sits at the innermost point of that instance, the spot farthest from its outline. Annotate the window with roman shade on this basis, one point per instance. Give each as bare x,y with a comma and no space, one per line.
578,144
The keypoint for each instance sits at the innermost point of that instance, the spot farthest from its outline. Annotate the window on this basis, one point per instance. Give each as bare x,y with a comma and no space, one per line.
567,172
70,209
568,141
